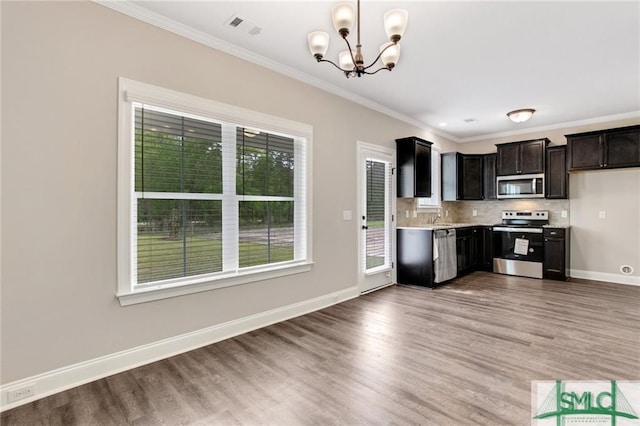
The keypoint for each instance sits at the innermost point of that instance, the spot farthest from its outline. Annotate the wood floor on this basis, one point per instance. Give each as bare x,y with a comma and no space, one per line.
465,353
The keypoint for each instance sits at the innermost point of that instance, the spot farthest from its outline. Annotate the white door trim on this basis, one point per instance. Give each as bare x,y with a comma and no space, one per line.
369,282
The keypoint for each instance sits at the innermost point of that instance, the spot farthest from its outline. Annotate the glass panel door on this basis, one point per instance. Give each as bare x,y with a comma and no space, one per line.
375,215
377,247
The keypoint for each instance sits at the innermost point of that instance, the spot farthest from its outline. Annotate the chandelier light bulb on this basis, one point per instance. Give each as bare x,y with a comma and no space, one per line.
345,60
343,16
395,23
318,43
390,53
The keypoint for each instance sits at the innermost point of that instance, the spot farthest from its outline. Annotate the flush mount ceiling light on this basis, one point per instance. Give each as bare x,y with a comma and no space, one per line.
350,62
521,115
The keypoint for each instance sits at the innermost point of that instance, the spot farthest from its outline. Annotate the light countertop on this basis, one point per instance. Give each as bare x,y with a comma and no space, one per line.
445,226
469,225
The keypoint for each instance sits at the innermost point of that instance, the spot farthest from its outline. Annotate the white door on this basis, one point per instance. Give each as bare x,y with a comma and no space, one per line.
375,210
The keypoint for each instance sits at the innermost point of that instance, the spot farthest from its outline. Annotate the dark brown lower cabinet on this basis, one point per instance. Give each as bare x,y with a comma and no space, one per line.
487,249
415,256
472,251
465,250
556,253
415,253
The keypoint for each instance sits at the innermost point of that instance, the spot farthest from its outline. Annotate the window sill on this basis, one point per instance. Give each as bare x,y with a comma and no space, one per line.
227,280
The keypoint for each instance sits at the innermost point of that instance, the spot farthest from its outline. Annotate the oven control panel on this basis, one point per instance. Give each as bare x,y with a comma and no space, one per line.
534,215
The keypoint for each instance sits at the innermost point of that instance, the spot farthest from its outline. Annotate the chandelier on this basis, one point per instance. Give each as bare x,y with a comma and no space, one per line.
352,63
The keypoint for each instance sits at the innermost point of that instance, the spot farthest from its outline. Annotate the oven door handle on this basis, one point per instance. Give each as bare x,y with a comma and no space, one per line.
518,230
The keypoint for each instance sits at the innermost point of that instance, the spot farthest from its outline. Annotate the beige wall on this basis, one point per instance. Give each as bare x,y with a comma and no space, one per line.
60,65
603,245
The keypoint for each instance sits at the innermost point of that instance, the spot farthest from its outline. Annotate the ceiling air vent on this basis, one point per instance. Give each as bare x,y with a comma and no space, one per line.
235,22
238,23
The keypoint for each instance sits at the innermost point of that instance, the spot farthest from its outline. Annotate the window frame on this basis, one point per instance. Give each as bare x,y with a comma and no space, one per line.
132,92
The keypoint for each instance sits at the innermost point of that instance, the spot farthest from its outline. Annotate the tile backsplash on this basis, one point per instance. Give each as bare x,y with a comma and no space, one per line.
488,212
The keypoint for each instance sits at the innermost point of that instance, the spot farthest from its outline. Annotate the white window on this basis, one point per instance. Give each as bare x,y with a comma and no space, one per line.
433,202
210,195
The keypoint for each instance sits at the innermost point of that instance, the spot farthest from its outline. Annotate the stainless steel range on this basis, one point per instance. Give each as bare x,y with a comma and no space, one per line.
518,243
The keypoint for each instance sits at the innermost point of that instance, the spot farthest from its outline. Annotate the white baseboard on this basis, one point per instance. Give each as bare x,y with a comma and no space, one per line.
68,377
604,276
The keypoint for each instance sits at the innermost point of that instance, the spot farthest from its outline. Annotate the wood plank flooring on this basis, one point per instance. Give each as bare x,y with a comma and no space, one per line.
465,353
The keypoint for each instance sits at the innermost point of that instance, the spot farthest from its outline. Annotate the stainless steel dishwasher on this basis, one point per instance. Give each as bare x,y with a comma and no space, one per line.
445,264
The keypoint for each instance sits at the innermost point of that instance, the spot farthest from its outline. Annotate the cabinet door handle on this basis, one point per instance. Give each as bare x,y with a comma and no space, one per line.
365,227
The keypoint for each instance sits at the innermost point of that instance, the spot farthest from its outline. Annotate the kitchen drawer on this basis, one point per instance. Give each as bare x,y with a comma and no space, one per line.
554,232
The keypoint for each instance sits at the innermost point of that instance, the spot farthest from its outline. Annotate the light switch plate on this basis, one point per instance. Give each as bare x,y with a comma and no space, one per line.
347,215
602,214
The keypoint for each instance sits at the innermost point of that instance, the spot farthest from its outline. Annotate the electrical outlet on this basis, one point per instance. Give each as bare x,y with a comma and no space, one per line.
602,214
474,213
563,213
406,213
22,393
446,213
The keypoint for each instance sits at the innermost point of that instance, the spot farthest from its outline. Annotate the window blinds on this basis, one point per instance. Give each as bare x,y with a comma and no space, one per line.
178,162
378,190
265,171
214,197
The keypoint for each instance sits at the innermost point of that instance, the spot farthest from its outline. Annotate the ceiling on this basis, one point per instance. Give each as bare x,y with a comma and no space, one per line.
574,62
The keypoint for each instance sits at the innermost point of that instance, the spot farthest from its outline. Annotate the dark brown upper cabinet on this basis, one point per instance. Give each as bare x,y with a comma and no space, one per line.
489,176
604,149
413,156
462,176
556,178
516,158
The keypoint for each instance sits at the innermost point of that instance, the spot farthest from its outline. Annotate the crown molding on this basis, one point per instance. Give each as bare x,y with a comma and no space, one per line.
130,9
137,12
564,125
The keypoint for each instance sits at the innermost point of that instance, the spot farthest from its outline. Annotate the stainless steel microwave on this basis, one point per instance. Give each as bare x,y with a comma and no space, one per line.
520,186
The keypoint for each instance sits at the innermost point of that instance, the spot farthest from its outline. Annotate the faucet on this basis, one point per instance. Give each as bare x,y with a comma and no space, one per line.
433,219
